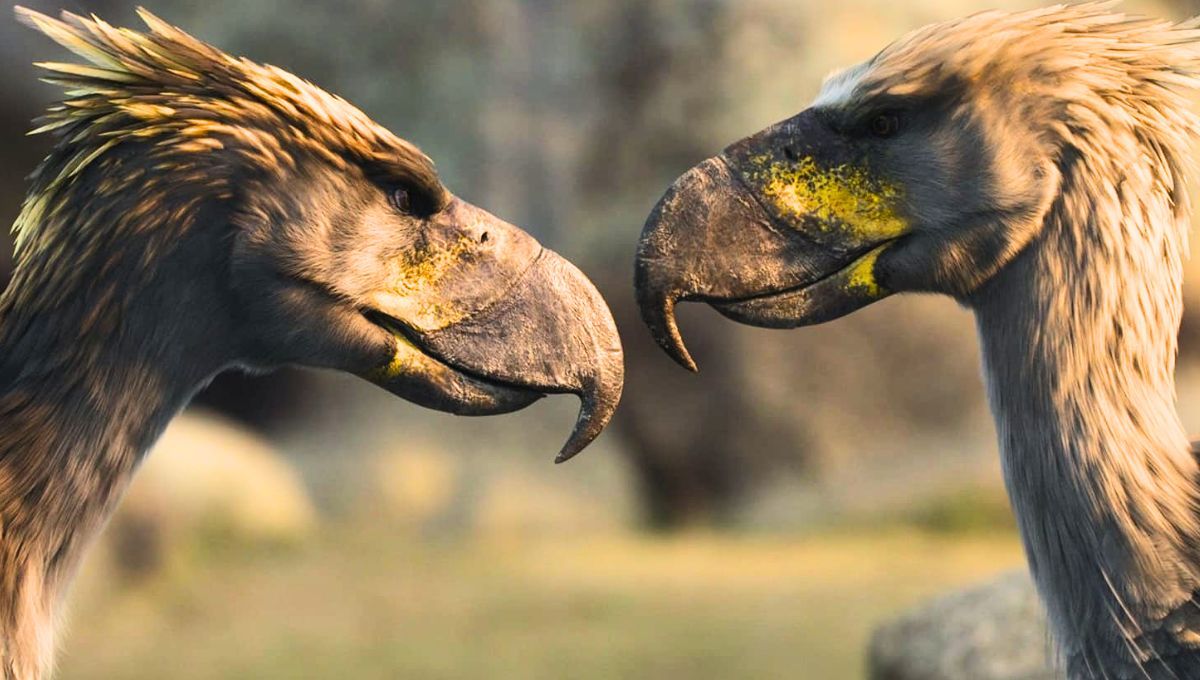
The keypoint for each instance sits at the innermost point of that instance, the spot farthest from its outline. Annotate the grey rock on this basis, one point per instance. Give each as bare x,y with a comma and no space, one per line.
995,631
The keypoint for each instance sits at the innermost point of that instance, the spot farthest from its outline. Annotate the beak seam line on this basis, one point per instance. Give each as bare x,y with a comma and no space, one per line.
793,289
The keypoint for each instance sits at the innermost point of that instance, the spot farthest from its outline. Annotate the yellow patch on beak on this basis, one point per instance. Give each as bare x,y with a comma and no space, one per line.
413,292
846,196
860,276
401,363
425,267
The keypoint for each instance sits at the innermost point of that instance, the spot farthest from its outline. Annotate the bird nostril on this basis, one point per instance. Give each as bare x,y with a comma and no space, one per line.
484,238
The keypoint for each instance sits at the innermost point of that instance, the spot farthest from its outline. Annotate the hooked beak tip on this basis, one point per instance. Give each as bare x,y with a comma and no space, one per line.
672,342
665,329
597,405
657,290
574,445
599,393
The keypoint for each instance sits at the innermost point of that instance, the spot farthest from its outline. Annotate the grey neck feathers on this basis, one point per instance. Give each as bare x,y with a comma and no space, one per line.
1079,340
89,377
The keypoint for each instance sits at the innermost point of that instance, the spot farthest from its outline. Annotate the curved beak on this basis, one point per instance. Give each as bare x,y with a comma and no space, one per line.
782,229
502,323
555,335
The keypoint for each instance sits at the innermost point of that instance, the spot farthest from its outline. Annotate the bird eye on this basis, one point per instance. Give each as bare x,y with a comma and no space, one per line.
885,125
400,200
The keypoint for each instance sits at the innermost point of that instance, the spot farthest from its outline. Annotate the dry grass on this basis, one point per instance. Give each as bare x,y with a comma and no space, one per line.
370,604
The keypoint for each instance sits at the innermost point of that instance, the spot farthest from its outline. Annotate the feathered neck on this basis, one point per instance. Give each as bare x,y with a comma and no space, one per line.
1079,340
92,366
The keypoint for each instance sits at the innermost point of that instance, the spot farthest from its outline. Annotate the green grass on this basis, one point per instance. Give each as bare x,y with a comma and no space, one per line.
964,511
368,603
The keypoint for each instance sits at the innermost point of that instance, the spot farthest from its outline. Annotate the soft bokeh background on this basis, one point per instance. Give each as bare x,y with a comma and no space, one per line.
753,521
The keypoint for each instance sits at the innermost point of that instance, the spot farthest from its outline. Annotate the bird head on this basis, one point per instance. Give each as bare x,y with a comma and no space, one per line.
927,168
340,246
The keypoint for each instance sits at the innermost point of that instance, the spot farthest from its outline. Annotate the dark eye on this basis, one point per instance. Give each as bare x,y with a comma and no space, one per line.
401,200
885,125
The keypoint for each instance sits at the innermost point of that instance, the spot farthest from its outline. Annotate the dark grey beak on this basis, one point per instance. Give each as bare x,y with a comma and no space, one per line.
710,240
495,323
769,233
552,333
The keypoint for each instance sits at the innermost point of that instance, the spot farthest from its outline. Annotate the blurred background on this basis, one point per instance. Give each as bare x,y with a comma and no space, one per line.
756,520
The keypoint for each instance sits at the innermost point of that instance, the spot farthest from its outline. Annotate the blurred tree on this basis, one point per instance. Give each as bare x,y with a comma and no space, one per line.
698,445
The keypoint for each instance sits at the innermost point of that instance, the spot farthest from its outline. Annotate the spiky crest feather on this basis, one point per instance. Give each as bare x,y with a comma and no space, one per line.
183,101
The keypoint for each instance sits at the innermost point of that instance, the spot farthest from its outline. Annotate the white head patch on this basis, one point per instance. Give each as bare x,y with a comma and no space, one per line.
839,86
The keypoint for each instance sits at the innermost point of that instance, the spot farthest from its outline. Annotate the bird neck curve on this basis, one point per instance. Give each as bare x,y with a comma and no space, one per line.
1079,338
89,377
